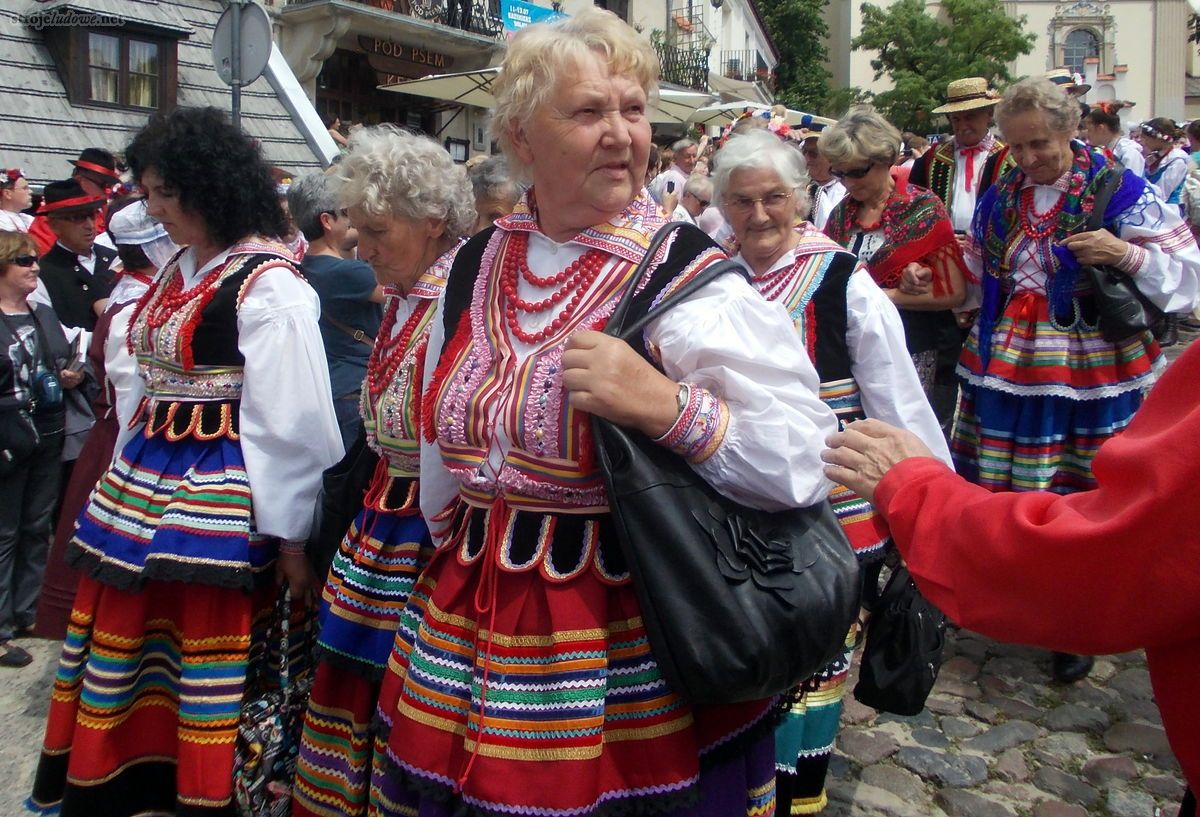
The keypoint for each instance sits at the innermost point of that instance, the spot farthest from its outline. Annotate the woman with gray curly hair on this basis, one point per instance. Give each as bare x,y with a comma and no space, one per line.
411,204
1041,387
523,680
855,338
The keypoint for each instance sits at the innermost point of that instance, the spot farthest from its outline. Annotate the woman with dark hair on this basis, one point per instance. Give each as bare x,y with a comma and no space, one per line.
1166,163
210,497
1102,126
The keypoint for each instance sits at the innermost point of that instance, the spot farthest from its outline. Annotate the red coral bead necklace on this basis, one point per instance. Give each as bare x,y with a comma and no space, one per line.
574,280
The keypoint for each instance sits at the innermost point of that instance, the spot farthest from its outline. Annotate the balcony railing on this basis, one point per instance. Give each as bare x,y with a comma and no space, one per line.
684,66
746,66
476,16
685,25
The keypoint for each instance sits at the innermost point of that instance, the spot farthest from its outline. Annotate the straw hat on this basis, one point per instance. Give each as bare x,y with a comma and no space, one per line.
967,95
1065,79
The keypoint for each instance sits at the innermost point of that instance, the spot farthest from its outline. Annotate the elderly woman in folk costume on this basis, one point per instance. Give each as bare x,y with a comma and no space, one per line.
855,338
896,229
209,502
410,203
1041,388
521,680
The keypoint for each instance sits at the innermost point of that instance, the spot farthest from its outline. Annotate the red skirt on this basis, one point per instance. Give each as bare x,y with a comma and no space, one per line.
145,706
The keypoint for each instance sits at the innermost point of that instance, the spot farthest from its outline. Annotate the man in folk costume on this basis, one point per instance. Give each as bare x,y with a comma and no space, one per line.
958,170
76,272
95,172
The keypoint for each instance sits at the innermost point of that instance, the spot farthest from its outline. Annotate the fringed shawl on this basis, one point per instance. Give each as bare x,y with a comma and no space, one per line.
916,227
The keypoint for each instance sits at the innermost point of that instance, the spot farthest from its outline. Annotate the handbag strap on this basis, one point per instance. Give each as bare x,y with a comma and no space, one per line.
1100,202
358,334
616,324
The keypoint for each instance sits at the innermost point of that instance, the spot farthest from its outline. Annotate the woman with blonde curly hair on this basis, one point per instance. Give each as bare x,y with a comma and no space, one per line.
522,680
410,203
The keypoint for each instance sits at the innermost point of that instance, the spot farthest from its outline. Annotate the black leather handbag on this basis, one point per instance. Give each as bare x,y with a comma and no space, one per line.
1121,308
343,487
739,604
905,639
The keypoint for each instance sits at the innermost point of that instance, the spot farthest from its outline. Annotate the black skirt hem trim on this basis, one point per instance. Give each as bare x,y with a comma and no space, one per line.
124,578
633,806
355,666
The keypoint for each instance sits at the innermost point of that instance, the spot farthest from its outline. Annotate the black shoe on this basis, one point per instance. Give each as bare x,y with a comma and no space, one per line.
13,656
1067,668
1166,331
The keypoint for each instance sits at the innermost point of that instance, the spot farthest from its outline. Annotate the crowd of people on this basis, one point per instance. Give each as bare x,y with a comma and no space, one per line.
194,338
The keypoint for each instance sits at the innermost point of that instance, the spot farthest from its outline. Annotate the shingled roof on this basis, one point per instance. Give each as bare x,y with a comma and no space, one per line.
42,129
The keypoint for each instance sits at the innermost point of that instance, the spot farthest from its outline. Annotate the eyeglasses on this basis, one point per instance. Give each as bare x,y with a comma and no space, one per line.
857,173
745,204
703,202
74,218
24,260
336,213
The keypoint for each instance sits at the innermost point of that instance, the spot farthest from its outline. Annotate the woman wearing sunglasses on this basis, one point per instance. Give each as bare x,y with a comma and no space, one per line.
33,353
896,230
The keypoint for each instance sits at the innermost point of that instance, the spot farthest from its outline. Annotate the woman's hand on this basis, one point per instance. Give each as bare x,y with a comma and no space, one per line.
1096,247
916,279
295,570
607,378
69,379
861,456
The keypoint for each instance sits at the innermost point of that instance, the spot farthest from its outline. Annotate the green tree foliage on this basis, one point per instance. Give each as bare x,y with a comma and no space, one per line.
922,53
799,31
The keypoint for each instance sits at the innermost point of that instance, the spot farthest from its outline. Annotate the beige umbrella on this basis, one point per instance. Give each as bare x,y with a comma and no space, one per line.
726,112
475,88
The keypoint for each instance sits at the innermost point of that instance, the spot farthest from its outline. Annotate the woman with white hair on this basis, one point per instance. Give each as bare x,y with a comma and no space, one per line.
1041,388
855,338
411,204
522,680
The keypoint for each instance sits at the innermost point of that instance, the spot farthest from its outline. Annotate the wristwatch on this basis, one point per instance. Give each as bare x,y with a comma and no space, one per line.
681,397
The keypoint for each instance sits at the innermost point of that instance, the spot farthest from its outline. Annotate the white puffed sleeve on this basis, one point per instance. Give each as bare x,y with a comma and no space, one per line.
891,390
120,367
289,434
439,488
729,340
1166,262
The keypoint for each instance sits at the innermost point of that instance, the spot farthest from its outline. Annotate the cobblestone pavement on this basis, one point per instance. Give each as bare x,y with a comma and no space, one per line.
998,739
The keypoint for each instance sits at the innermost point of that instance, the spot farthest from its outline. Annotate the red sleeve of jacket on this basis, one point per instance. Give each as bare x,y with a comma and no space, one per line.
42,235
1103,571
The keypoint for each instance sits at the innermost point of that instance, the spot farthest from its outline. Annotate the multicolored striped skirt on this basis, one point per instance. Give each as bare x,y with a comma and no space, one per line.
144,711
522,682
1049,397
804,738
368,587
178,510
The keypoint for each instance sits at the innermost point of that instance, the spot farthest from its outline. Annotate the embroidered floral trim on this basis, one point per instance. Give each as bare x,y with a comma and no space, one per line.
700,428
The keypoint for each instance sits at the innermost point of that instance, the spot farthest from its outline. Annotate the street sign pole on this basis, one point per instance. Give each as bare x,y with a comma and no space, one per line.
235,63
241,49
